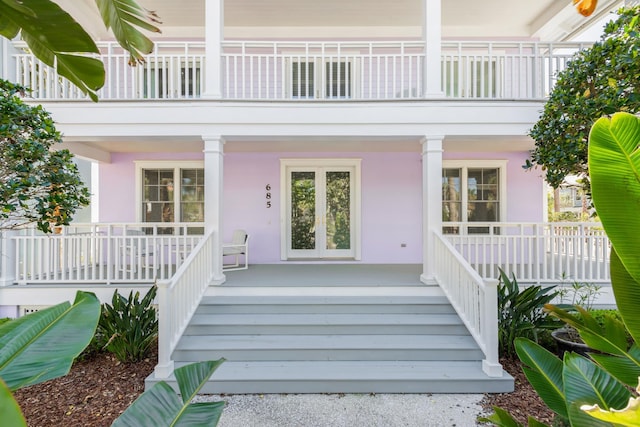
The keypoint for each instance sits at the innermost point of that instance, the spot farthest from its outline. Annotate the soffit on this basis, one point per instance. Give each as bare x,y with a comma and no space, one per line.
460,17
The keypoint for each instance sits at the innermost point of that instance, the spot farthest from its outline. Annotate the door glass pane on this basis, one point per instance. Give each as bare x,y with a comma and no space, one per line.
338,220
482,191
303,210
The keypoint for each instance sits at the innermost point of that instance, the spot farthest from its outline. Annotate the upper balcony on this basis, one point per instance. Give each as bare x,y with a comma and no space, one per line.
313,71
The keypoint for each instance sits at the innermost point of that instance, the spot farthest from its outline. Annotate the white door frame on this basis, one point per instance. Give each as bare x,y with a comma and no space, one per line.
285,199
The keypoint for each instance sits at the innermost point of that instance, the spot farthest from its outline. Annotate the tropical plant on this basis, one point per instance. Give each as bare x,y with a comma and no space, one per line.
129,326
39,184
570,387
520,312
42,346
600,80
161,406
59,41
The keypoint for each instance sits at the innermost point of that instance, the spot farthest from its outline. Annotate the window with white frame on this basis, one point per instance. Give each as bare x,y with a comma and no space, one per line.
171,193
171,79
472,192
308,82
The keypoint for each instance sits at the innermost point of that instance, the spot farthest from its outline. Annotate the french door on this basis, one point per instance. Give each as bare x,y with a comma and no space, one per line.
321,209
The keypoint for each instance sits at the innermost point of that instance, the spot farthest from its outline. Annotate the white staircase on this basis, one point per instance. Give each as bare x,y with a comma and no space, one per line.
395,339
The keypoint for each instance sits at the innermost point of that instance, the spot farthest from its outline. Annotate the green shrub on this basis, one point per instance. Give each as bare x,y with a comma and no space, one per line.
129,326
4,320
520,312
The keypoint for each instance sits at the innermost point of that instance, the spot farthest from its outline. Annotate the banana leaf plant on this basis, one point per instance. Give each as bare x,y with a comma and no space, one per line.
55,37
161,406
594,391
42,346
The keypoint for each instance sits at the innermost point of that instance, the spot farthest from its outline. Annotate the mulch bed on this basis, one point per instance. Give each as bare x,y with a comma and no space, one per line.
523,402
99,388
96,391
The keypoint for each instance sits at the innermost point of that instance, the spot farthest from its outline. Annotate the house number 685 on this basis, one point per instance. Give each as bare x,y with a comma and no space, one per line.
268,196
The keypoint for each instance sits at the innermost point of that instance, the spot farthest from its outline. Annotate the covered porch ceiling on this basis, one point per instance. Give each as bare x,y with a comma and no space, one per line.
544,19
100,149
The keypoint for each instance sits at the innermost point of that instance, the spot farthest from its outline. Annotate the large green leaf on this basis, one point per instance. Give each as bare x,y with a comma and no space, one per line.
56,39
612,339
614,166
123,16
587,383
627,294
10,412
42,345
544,372
161,406
625,368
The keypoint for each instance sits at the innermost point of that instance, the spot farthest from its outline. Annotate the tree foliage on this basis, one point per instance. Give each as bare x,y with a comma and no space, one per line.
596,82
59,41
39,184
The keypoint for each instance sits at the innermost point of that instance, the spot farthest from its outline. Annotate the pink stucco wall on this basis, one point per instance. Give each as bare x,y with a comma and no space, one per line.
391,198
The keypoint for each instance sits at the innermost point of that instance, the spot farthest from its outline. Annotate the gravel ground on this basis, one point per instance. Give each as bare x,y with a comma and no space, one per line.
350,410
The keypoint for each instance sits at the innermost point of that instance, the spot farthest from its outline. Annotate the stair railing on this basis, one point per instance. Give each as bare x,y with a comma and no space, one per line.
178,299
475,300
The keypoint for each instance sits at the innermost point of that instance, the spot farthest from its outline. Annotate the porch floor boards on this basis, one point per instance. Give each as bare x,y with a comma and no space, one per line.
325,275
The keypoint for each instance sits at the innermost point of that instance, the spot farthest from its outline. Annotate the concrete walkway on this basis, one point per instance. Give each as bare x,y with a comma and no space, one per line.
350,410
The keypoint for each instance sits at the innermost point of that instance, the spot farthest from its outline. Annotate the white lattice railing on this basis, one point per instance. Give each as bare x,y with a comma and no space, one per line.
534,252
104,253
475,300
318,70
179,297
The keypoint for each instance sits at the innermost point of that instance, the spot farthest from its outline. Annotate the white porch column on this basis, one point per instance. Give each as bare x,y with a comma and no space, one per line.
213,197
432,38
431,201
213,36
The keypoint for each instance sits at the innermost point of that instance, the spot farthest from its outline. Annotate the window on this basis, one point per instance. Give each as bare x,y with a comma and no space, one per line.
302,80
335,80
338,80
171,194
472,193
171,80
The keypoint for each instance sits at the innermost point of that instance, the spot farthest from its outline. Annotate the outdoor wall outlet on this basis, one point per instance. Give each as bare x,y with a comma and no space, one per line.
403,245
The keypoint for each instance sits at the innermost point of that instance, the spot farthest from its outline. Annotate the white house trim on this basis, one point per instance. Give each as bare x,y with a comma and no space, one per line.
162,164
431,202
501,165
214,197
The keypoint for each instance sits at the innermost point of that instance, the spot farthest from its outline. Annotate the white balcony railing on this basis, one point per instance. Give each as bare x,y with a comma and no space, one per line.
103,253
535,252
313,71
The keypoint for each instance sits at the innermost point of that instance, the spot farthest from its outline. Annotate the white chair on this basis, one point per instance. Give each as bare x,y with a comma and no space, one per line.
238,247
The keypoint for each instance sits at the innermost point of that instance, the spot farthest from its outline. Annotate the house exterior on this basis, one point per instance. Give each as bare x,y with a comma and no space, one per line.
344,132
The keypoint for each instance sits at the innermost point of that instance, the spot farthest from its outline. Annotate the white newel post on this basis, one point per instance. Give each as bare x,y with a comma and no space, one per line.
7,257
214,34
213,197
432,38
491,364
431,201
165,365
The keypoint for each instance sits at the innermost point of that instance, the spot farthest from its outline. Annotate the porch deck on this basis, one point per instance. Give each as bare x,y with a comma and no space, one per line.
311,275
